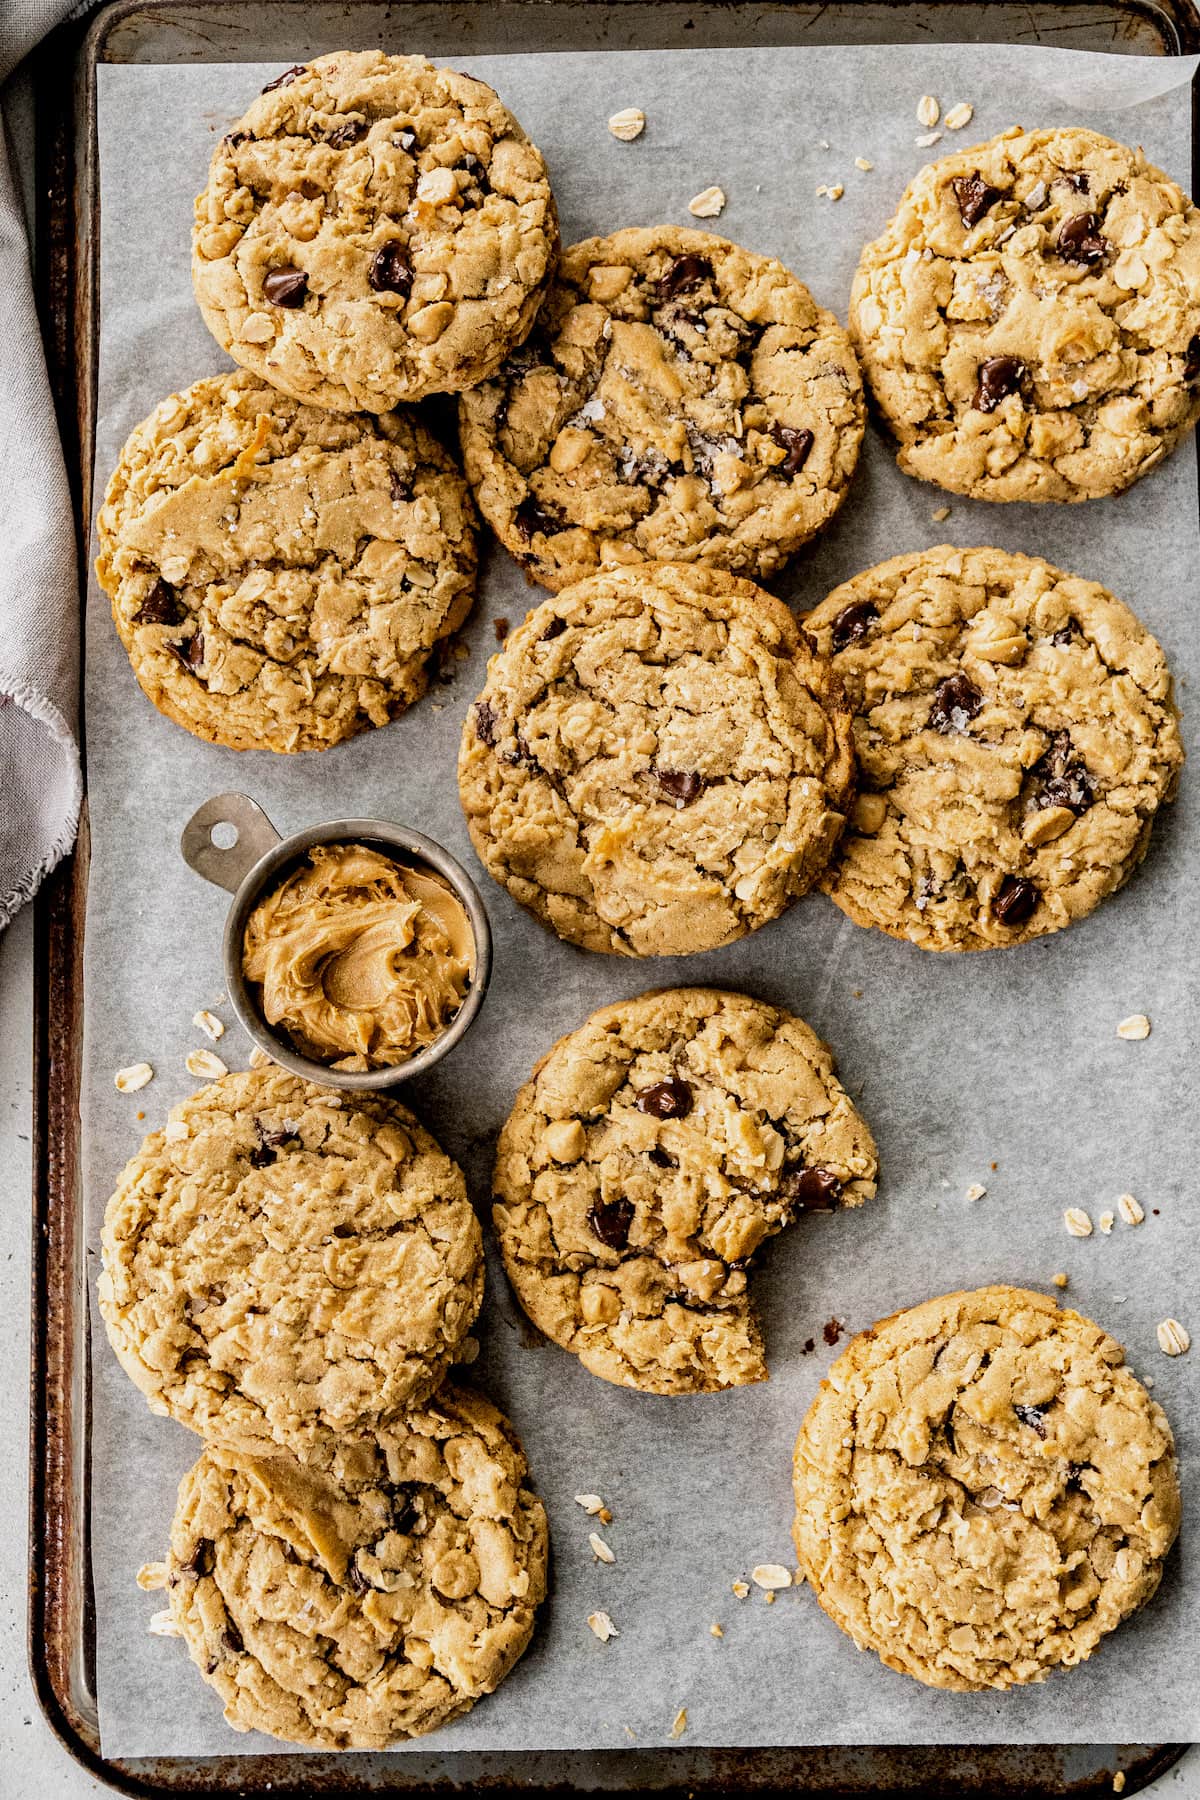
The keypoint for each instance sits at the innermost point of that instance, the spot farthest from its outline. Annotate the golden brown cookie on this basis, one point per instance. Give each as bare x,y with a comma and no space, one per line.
373,230
1029,322
1015,736
681,399
983,1491
652,1153
658,763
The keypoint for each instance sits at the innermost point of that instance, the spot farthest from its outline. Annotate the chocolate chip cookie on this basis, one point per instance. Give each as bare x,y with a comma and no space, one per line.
651,1154
1015,735
350,1611
983,1491
680,399
282,1264
373,230
280,575
659,762
1029,322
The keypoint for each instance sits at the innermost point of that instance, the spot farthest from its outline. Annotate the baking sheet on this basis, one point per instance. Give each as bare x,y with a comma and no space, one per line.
1003,1070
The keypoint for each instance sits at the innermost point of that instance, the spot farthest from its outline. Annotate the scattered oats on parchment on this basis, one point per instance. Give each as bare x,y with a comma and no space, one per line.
1077,1222
771,1575
1134,1028
259,1058
928,111
602,1625
940,514
1173,1340
976,1191
205,1064
679,1723
959,115
740,1588
128,1081
209,1024
1129,1209
628,124
163,1625
708,204
861,162
600,1549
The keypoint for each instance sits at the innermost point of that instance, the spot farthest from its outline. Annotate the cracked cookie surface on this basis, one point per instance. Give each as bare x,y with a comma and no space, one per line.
658,762
983,1491
1015,736
352,1610
680,399
648,1158
281,1264
279,575
1029,322
374,229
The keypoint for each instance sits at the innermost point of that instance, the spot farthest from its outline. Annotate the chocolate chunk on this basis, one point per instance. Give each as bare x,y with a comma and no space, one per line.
610,1220
997,377
406,139
161,606
269,1145
355,1579
554,629
1079,240
286,79
1075,1478
681,786
1034,1417
852,623
955,703
1017,900
974,197
1191,362
666,1099
200,1562
476,170
1066,635
684,274
1060,778
832,1331
342,136
485,723
796,443
235,138
391,272
811,1190
191,652
401,487
1074,178
285,286
231,1640
501,627
210,1666
662,1159
532,517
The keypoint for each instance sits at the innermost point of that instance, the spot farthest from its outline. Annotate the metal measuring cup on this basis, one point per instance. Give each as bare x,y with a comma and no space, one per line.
248,864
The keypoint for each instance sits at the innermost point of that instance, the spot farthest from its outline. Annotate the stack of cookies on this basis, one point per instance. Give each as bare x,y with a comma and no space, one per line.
964,748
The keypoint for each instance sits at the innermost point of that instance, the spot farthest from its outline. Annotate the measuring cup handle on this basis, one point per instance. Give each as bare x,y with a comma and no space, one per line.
254,835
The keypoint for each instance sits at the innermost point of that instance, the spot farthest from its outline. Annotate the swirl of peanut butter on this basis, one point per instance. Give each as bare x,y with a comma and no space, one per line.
360,961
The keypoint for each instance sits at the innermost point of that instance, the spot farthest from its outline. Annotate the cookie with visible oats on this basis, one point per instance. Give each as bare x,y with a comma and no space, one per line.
658,763
374,229
680,399
280,575
983,1490
651,1154
1029,322
282,1265
1015,735
353,1609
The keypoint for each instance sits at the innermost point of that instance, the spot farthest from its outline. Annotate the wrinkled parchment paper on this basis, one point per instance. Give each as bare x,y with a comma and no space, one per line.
1002,1069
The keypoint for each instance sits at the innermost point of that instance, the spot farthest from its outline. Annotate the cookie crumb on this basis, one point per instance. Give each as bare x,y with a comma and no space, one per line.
129,1080
628,124
1173,1340
928,140
205,1064
836,191
928,110
1119,1782
1060,1280
152,1576
708,204
1077,1222
501,627
770,1598
602,1626
959,115
976,1191
679,1723
1129,1209
1105,1222
600,1549
209,1024
822,191
860,162
630,1733
940,514
715,1630
771,1575
740,1588
832,1331
1134,1028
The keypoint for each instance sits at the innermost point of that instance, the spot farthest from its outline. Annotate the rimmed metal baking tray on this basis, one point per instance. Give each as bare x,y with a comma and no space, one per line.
61,1622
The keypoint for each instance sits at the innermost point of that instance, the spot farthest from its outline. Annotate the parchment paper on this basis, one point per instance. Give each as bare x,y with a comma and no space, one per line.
1002,1069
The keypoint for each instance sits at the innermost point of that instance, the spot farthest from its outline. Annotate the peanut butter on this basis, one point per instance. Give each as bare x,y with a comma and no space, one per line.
359,960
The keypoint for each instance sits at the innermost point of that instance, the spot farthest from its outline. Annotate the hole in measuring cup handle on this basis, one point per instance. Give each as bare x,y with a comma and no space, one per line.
225,837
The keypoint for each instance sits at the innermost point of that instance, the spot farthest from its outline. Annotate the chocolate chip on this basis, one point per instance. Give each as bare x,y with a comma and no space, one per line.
796,443
681,786
1034,1417
200,1562
231,1640
476,171
391,272
810,1345
684,274
1191,362
1066,635
355,1579
161,606
401,487
1079,240
406,1512
285,286
852,623
1075,1478
554,629
811,1190
191,652
234,138
670,1099
610,1221
269,1145
485,723
531,517
996,378
1060,778
501,627
832,1331
210,1666
955,703
1017,900
1074,178
662,1159
342,136
285,80
974,197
